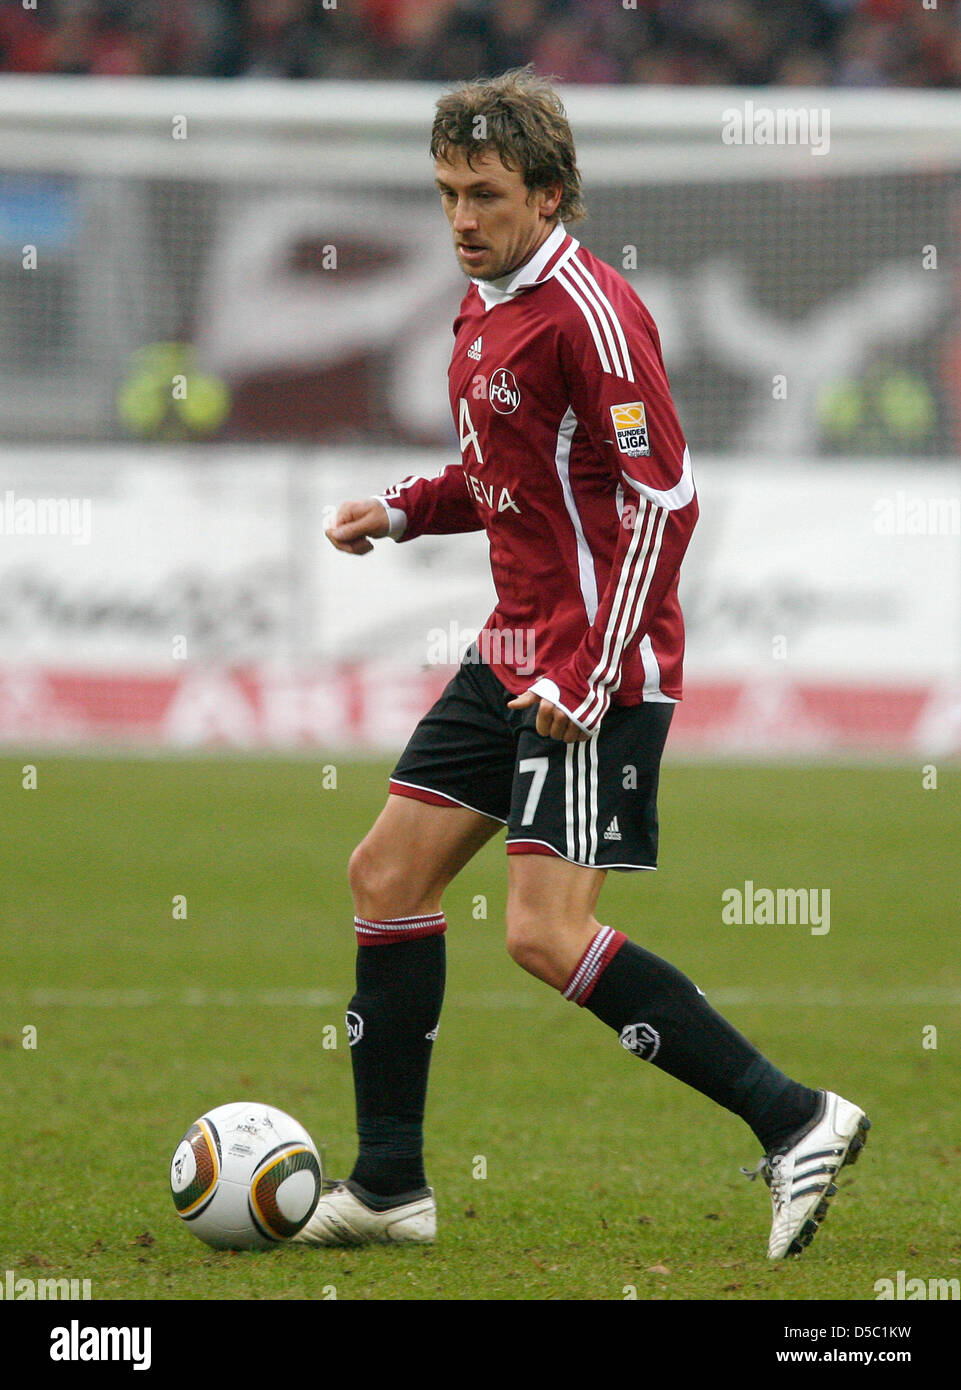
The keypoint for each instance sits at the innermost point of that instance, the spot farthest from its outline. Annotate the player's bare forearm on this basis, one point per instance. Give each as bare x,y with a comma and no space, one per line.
356,524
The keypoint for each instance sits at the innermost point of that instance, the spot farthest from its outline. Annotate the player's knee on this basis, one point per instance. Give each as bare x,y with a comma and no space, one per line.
382,887
529,946
371,880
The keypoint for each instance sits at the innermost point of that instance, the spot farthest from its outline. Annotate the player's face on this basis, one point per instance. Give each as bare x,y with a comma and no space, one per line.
496,221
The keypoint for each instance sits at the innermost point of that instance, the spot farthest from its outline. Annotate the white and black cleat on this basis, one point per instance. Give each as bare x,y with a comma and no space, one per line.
801,1172
342,1218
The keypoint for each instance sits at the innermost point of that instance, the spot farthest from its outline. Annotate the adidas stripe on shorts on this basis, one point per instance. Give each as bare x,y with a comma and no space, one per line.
593,803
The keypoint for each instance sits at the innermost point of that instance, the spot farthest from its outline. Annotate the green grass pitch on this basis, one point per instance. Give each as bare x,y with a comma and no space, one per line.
564,1168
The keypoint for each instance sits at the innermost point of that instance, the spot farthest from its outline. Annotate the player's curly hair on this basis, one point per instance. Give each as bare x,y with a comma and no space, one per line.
520,116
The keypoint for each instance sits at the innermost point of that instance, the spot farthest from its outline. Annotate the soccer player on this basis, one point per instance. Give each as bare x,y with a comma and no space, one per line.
574,463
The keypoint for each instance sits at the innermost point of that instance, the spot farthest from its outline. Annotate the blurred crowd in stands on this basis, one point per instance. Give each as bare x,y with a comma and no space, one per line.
845,43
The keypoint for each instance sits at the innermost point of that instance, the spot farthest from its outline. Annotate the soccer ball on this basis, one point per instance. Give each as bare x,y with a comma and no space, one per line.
245,1177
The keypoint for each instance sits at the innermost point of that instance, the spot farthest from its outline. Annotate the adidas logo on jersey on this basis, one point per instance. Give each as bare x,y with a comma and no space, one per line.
476,348
612,832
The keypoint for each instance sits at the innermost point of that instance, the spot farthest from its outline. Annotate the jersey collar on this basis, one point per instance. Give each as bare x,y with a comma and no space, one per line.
499,291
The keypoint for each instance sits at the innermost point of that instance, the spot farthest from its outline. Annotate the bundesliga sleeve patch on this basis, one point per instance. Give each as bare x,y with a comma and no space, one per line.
630,428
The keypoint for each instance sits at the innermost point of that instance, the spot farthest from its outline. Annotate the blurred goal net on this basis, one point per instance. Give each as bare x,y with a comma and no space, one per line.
277,249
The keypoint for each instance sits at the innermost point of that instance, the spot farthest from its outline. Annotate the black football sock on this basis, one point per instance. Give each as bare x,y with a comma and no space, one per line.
662,1017
391,1023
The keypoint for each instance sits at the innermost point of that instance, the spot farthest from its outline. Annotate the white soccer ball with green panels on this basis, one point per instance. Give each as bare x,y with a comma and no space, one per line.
245,1177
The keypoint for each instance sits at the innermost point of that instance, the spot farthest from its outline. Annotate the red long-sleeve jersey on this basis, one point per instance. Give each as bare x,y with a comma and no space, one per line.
574,463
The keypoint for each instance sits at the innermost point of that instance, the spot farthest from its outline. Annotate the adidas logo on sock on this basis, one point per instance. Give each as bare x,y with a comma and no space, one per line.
476,348
612,832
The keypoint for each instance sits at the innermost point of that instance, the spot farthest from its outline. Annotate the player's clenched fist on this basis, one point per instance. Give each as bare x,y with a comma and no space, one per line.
355,523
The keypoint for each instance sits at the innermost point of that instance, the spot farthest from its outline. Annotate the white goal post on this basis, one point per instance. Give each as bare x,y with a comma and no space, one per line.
303,128
262,127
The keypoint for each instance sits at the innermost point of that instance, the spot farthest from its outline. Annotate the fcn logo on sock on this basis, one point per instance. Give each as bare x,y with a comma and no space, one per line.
641,1039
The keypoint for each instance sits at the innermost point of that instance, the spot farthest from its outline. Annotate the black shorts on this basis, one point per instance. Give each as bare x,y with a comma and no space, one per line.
592,803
